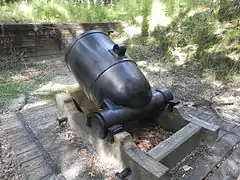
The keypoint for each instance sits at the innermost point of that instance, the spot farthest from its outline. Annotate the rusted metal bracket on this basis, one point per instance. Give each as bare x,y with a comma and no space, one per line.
122,175
61,120
112,131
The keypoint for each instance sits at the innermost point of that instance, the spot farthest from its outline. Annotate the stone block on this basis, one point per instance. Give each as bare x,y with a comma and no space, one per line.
61,100
176,147
210,131
80,98
118,153
143,166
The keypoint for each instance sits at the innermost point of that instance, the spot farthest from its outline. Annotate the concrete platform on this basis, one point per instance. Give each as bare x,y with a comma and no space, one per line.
189,133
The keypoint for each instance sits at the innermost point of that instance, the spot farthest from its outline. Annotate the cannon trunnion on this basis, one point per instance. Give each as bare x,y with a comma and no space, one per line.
113,82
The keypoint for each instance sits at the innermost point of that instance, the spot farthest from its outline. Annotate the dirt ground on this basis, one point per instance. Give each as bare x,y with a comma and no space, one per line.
188,84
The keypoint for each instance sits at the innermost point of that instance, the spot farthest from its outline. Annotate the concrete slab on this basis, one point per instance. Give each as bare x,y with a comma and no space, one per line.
142,165
177,146
29,155
17,136
40,172
210,131
172,121
38,145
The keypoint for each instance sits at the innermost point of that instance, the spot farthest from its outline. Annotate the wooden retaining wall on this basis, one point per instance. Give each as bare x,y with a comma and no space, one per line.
42,41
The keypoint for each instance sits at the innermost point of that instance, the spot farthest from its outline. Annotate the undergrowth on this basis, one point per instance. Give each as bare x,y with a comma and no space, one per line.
206,32
71,11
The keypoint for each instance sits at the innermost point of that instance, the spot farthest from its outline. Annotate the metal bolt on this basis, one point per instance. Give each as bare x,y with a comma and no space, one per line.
122,175
61,120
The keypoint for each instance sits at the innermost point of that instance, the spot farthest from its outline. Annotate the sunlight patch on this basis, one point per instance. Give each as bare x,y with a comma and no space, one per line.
51,86
144,72
26,75
72,171
25,9
158,16
63,12
133,30
180,57
31,105
139,19
153,68
142,63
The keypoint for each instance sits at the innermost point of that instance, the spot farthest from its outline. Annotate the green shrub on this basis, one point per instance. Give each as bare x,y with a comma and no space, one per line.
72,11
228,10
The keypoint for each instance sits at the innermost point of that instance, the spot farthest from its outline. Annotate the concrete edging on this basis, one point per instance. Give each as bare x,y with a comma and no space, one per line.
177,146
155,164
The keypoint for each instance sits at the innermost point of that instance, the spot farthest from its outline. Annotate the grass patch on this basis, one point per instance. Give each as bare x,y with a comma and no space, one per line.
11,90
8,91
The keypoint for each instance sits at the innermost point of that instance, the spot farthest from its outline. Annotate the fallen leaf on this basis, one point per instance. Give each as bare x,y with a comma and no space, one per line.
91,174
186,168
